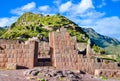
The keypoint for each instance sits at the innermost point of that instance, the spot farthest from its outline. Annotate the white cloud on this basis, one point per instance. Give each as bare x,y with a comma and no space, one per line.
57,2
84,5
44,8
92,14
65,7
29,6
85,15
79,8
26,8
108,26
102,4
7,21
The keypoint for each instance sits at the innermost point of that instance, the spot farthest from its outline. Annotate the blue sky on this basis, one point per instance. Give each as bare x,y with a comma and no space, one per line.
101,15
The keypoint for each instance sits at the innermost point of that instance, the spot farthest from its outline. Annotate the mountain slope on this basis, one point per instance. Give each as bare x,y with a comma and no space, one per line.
30,24
101,40
113,50
2,30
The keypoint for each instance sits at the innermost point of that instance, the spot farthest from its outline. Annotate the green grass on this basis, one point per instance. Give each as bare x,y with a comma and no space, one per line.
62,78
41,79
31,77
38,74
118,78
103,78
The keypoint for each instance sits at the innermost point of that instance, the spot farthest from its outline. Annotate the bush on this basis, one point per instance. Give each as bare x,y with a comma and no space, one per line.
79,36
97,49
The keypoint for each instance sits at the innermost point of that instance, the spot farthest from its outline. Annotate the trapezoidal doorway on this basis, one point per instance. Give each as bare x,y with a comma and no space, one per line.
44,58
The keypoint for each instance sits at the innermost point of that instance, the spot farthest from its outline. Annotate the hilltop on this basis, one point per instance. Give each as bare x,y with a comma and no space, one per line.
30,24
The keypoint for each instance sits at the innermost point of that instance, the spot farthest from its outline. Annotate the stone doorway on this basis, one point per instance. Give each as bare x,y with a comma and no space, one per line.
44,58
44,61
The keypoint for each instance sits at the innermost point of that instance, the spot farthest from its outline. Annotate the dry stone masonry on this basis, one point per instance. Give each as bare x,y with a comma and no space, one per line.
12,51
62,51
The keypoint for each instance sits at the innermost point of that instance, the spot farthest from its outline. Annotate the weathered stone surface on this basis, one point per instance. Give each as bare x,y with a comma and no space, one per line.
13,52
11,66
64,54
34,72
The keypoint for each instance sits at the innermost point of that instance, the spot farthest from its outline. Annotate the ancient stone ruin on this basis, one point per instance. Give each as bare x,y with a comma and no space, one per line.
13,51
62,52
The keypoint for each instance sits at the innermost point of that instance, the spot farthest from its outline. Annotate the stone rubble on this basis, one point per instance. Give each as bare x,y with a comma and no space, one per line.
49,74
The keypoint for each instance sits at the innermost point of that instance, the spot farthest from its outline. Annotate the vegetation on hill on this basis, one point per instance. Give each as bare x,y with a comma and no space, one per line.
2,31
113,50
98,49
29,25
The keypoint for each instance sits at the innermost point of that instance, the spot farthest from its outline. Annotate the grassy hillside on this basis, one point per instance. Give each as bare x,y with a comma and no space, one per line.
30,24
113,50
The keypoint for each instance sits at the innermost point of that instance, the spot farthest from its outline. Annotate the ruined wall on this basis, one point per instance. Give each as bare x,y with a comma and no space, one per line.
81,46
61,44
24,55
89,52
108,73
62,50
65,55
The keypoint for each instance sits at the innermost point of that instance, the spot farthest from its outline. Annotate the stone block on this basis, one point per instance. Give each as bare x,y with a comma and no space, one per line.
14,60
2,64
20,51
5,59
11,66
18,60
1,59
26,47
2,55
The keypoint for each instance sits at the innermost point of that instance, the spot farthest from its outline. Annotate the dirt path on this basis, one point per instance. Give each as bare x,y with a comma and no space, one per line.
12,75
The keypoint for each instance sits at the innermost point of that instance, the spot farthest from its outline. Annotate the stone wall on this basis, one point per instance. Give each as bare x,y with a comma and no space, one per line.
24,55
81,46
65,55
108,73
61,44
63,52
